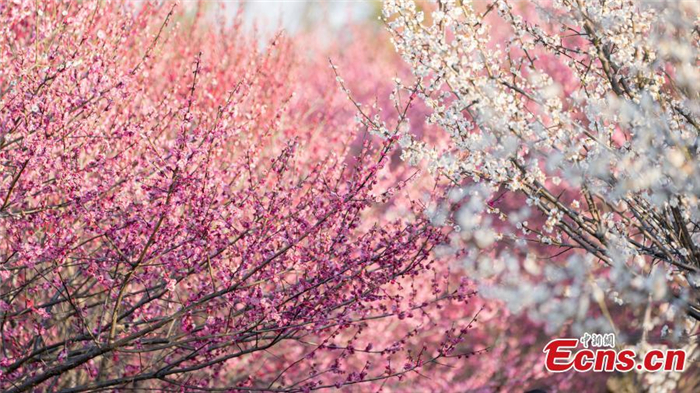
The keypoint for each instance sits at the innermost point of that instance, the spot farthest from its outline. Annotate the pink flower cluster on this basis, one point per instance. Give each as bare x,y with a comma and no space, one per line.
180,209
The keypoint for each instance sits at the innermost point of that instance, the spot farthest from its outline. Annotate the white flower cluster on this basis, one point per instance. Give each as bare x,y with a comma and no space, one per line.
585,115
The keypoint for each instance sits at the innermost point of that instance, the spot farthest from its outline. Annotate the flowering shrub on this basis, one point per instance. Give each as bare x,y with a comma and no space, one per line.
570,152
177,212
185,208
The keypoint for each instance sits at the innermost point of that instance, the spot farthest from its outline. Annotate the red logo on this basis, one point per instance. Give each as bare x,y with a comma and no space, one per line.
561,356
